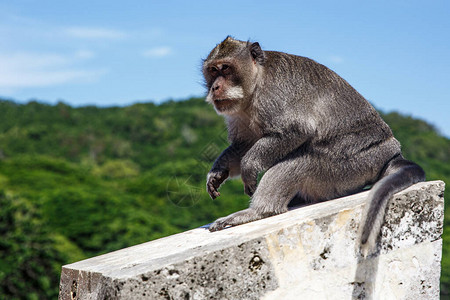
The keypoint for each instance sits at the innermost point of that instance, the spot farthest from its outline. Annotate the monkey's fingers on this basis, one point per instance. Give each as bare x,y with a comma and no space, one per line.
214,194
212,190
213,185
219,224
238,218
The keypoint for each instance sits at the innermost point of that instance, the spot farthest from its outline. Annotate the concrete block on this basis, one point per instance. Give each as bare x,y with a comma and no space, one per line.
307,253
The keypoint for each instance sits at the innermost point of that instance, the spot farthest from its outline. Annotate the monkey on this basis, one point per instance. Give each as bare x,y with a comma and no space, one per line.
310,133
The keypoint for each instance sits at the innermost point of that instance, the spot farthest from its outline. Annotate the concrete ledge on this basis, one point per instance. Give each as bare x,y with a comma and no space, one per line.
311,252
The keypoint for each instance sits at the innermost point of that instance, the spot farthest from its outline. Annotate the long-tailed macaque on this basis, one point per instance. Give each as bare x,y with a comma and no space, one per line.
314,136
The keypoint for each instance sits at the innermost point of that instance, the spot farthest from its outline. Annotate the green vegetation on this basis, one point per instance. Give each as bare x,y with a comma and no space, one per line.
78,182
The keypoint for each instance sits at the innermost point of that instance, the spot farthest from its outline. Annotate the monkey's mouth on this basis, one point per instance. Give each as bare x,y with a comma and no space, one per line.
225,104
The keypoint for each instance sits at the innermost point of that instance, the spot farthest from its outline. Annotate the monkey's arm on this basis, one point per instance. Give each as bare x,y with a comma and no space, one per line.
265,153
228,164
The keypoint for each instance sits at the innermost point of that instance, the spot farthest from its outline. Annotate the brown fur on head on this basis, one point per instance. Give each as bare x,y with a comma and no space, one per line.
230,71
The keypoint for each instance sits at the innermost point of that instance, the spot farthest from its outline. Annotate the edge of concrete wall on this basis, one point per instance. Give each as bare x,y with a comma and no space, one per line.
311,251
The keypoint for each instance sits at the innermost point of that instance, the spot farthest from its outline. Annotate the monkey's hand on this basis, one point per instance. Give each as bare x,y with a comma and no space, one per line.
214,180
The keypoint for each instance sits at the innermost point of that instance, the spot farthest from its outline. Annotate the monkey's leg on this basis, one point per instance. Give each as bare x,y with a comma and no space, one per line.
274,192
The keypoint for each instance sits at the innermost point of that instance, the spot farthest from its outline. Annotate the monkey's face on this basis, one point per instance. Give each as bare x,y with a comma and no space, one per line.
231,72
225,90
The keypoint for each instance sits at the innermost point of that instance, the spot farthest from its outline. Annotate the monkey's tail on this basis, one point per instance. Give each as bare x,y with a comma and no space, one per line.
398,174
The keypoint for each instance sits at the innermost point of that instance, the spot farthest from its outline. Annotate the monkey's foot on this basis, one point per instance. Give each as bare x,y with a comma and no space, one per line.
238,218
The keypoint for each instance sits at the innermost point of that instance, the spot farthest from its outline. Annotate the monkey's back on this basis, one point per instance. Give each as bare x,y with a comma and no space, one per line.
347,139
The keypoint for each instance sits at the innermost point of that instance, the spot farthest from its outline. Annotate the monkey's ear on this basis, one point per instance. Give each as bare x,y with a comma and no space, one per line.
257,53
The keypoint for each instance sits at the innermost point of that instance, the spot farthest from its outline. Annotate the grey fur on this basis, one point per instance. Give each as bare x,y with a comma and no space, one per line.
315,136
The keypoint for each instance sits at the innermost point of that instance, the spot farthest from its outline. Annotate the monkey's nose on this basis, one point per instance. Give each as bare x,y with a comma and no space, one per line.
215,88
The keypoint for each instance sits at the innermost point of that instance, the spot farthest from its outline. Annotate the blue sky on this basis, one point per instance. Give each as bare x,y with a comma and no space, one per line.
395,53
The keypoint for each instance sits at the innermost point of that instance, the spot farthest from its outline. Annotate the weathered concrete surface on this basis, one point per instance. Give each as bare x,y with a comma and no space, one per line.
307,253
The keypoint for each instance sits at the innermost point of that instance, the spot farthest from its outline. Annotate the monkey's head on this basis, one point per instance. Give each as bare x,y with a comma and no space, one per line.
231,73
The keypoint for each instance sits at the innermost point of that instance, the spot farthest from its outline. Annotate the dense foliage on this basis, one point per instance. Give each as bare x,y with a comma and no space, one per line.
78,182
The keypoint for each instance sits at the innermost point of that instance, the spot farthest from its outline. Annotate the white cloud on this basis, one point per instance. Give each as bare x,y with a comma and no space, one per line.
25,69
94,33
157,52
24,60
84,54
16,80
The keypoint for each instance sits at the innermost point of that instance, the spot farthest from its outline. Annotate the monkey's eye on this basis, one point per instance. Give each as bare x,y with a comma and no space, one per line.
226,69
213,71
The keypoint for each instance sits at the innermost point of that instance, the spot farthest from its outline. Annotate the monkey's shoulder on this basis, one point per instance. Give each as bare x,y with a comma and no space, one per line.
300,70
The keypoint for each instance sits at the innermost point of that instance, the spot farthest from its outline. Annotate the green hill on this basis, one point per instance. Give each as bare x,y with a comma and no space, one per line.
78,182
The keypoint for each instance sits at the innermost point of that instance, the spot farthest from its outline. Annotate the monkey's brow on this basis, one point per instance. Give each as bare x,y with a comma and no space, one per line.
220,62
